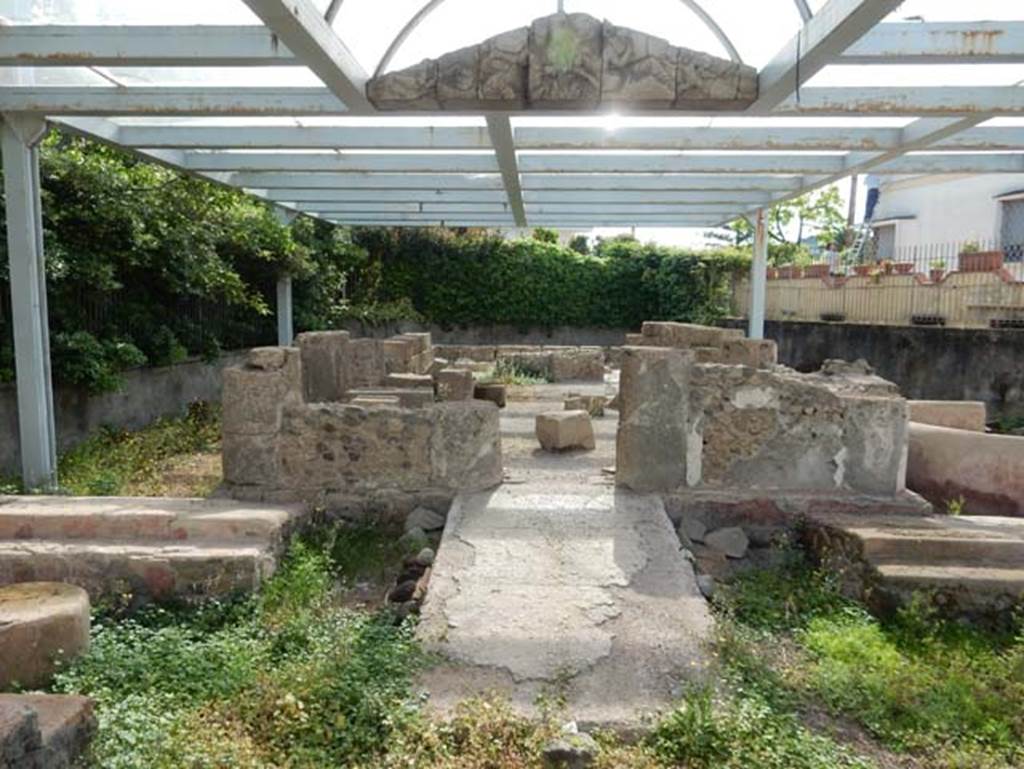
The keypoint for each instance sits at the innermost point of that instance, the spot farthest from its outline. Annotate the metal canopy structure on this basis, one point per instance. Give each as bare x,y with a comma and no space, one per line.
272,99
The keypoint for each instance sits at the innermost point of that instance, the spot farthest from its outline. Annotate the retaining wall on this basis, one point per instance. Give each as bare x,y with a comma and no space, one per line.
927,363
148,393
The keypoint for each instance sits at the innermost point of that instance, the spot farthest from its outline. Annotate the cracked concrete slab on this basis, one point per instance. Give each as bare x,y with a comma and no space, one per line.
560,584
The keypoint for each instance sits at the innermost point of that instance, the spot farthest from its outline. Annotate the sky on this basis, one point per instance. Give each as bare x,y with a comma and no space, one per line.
758,29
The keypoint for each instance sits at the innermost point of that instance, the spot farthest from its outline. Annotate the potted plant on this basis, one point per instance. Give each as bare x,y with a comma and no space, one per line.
863,270
904,268
973,259
937,269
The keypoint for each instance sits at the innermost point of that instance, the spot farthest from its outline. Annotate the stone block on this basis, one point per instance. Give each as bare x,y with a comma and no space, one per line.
254,394
407,398
481,353
708,82
654,445
707,354
438,364
364,363
419,339
565,62
504,60
683,335
494,392
42,625
409,381
458,78
592,404
376,401
465,446
756,353
731,541
563,430
323,357
44,731
960,415
423,362
876,440
251,460
425,519
635,340
455,384
577,365
638,69
414,87
398,355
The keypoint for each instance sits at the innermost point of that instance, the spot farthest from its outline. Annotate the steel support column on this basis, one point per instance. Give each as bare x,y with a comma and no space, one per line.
758,276
21,135
285,308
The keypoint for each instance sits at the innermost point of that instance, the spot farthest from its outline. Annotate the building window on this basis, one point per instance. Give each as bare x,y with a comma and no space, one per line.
1012,233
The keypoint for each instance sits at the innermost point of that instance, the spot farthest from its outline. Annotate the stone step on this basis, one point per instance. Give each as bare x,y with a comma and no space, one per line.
44,731
944,548
146,571
134,519
961,590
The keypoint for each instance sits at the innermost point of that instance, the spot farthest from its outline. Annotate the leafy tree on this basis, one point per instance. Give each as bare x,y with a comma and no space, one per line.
819,213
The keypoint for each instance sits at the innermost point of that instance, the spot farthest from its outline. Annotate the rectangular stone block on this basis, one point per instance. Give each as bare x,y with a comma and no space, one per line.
684,335
251,460
653,447
455,384
407,398
577,365
423,362
876,438
491,391
465,449
410,381
756,353
323,357
636,340
707,354
565,430
398,355
364,359
255,392
592,404
638,69
420,340
565,62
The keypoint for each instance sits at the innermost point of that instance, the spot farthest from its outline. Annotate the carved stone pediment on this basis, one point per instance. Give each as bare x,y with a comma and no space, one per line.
568,61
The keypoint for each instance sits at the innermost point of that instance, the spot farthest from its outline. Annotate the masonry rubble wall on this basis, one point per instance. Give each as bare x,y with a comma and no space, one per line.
290,435
557,363
685,425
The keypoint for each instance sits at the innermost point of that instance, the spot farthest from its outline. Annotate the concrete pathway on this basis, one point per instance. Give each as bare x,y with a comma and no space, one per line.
558,585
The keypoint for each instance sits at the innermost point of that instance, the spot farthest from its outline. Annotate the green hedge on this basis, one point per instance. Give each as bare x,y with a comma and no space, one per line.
479,278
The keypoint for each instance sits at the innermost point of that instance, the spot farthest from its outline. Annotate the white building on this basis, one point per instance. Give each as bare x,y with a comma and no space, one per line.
925,217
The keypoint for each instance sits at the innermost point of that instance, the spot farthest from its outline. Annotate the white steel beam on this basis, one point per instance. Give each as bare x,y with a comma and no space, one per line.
353,181
739,198
959,42
438,163
302,27
500,129
19,137
833,29
612,163
141,46
100,101
256,137
656,181
347,197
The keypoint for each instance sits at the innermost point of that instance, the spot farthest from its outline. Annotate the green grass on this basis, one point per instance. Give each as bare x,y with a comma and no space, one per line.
293,678
118,462
512,373
947,693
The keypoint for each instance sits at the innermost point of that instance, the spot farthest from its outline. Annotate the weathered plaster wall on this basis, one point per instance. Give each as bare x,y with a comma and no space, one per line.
926,363
147,394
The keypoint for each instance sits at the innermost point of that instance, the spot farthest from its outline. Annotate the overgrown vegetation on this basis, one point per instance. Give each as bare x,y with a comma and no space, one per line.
476,277
512,373
294,678
949,694
140,463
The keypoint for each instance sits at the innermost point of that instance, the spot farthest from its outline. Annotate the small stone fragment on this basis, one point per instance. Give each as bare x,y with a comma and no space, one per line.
571,751
424,519
732,541
414,539
494,392
425,557
693,528
706,585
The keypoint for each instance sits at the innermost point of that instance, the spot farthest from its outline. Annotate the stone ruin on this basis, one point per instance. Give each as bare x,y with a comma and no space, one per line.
568,61
356,425
694,424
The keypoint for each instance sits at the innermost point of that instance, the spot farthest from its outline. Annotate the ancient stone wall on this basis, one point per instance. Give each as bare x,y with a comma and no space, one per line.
708,426
557,363
304,424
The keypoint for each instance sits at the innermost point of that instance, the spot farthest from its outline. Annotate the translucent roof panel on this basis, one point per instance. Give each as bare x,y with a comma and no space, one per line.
129,12
919,75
